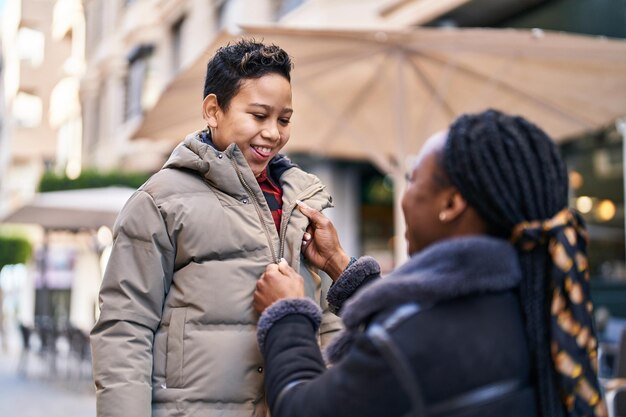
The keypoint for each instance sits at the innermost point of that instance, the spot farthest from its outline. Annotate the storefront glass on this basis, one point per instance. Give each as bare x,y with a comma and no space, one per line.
596,170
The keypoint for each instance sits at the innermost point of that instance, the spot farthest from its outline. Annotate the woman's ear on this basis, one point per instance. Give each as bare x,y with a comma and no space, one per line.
455,205
210,110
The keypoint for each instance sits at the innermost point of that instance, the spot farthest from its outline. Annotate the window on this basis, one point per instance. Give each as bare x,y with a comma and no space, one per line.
97,113
282,7
27,109
92,132
220,11
95,25
30,45
69,148
177,43
139,79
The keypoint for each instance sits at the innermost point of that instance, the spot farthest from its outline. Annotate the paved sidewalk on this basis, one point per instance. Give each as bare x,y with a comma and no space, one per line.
40,395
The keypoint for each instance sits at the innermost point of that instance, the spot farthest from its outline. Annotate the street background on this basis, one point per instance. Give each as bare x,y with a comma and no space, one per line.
95,94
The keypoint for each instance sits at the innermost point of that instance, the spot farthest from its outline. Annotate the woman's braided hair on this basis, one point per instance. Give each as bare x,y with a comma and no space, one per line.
511,172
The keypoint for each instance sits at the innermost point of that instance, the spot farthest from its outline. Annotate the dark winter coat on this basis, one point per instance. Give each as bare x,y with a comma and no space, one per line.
442,335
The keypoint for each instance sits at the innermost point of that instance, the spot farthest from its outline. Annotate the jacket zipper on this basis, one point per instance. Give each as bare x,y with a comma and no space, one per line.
287,214
258,209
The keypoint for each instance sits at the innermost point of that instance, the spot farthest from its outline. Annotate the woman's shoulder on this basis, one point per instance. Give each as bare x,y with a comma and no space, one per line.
482,306
475,319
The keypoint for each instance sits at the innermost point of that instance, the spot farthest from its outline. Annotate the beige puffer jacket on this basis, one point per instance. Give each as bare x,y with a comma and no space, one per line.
177,330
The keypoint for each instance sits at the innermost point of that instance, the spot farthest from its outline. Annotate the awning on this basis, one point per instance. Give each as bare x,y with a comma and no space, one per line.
72,210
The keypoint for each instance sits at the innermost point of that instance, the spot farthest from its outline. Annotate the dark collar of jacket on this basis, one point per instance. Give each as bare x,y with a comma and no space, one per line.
443,271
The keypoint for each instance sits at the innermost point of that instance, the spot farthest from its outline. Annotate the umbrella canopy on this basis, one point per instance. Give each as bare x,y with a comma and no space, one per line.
378,95
74,209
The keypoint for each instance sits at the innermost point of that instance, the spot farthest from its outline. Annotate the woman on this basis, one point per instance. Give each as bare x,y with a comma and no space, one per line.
489,317
176,334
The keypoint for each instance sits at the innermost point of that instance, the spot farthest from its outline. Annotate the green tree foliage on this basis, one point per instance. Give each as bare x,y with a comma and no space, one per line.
14,250
91,179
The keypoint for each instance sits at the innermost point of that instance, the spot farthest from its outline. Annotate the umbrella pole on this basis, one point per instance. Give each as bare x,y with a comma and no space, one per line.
620,125
399,240
399,180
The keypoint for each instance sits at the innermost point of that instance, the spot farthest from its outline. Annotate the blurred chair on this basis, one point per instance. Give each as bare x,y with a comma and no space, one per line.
25,332
79,352
48,335
615,387
609,334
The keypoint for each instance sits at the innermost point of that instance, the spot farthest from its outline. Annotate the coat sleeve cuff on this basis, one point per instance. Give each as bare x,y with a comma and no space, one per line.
285,307
363,270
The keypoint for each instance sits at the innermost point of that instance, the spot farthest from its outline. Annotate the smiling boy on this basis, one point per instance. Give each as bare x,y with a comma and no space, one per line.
177,330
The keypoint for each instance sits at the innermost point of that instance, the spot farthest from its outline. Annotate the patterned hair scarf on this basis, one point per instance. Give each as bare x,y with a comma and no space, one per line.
573,340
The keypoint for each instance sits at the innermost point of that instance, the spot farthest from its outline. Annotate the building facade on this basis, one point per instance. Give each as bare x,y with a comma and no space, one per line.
134,48
42,63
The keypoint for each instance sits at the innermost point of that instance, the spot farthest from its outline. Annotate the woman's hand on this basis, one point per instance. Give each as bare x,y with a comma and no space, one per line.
279,281
321,245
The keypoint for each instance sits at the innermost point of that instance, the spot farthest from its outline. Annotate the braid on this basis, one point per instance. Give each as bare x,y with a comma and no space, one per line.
534,302
510,172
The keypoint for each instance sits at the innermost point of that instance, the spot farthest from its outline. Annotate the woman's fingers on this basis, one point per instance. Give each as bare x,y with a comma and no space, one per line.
314,216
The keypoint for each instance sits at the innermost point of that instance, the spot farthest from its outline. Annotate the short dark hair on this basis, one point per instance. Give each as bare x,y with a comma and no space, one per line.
239,61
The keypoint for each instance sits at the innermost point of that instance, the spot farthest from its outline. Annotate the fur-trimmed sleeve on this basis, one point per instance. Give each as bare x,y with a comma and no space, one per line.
286,307
358,274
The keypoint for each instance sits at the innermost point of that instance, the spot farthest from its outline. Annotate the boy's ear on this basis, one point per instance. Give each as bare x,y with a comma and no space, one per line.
210,109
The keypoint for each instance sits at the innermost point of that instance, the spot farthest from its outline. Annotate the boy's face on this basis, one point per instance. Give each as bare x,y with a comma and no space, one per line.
257,119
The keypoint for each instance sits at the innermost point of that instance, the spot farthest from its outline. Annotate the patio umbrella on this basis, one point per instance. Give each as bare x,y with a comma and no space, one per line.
73,209
378,95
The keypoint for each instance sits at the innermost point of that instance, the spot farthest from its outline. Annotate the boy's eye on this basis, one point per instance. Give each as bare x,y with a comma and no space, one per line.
259,116
285,121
